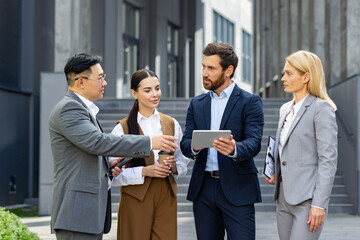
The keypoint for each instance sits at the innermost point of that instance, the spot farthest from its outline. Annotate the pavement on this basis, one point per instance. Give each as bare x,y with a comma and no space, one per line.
337,227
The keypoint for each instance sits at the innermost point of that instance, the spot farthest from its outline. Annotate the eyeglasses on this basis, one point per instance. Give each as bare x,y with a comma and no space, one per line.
100,79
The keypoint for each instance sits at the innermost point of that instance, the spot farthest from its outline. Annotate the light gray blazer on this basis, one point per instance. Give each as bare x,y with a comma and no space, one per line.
309,156
80,181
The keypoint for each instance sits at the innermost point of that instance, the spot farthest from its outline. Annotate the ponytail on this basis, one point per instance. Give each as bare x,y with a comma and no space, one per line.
133,127
132,119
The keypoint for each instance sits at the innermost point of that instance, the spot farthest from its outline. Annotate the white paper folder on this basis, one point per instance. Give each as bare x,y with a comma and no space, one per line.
269,166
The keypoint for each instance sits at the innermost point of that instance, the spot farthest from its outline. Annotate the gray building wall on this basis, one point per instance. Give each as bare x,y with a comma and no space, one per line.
346,93
326,27
14,147
38,36
330,29
24,49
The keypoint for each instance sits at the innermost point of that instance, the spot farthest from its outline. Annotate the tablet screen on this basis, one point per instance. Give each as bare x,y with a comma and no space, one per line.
205,138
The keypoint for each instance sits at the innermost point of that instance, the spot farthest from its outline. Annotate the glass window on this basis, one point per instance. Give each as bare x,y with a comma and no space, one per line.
130,21
9,43
131,28
173,59
223,30
246,57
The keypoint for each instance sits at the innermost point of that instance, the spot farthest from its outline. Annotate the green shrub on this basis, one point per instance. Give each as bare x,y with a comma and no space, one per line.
28,211
11,228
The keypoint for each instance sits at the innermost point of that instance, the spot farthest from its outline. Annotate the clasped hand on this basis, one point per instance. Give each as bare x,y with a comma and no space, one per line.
156,170
116,171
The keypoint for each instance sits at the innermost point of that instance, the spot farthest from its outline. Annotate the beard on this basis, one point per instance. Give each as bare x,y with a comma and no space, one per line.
213,85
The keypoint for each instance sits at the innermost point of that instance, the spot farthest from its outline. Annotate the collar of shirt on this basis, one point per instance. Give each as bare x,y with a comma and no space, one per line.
155,115
92,107
150,126
225,93
296,107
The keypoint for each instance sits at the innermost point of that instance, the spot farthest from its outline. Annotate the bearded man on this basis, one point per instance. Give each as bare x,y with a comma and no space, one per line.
224,185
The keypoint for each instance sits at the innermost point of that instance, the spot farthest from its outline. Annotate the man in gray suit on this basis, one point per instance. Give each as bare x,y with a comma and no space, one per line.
81,207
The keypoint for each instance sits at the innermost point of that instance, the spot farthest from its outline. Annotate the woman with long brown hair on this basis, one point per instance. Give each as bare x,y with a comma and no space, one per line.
148,206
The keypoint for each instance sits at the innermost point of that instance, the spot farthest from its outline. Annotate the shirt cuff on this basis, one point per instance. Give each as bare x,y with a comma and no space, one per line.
129,176
194,153
234,156
318,207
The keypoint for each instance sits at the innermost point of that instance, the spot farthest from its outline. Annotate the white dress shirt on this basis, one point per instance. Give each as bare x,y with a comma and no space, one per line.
289,119
218,105
150,126
92,107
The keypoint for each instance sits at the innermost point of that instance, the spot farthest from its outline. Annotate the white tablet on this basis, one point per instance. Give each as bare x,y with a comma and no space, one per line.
205,138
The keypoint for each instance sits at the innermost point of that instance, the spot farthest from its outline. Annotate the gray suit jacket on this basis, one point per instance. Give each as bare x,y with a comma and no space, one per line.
80,181
309,156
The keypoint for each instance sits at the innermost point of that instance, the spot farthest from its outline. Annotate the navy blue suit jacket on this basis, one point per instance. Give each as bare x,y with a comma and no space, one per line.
244,116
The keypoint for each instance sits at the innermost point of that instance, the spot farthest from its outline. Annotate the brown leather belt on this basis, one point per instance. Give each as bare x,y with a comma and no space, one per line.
213,174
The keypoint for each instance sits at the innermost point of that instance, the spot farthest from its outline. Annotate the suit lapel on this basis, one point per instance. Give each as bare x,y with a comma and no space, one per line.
207,110
94,121
99,125
299,115
234,97
283,116
74,96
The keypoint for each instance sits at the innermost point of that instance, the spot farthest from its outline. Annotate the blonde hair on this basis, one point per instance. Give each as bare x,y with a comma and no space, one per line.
307,62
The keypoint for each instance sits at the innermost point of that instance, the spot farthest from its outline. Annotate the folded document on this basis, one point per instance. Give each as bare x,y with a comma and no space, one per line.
269,166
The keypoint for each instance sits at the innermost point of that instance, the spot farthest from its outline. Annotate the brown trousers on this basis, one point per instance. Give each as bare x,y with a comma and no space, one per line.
153,218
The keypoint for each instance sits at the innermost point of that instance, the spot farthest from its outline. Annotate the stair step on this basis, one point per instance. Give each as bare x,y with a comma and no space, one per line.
184,206
265,207
341,208
183,187
112,110
185,214
185,179
181,197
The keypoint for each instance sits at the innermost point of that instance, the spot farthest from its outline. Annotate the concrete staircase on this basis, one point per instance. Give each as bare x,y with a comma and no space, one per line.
113,110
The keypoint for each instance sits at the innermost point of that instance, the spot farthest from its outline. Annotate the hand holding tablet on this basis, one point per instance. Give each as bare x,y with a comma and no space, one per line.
205,138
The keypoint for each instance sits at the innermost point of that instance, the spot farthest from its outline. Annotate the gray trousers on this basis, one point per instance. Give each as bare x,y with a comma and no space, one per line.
292,220
69,235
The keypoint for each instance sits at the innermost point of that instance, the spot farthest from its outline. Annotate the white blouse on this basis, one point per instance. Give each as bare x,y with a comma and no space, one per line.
289,119
150,126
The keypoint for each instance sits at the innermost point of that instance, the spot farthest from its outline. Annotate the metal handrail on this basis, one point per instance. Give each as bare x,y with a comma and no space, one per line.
349,137
343,126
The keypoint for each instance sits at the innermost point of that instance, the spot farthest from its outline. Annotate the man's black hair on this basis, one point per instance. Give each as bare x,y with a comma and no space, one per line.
79,63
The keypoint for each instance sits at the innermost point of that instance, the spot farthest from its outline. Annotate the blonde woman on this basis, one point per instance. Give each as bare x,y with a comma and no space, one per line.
306,150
